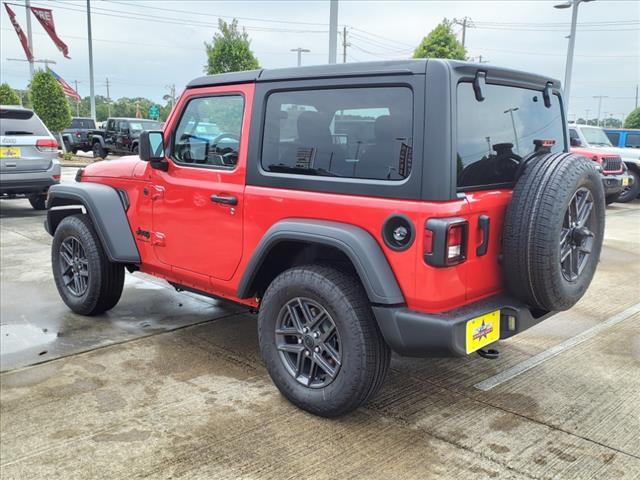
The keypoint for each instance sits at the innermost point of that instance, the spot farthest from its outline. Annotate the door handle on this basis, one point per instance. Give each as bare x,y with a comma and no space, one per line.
225,200
483,222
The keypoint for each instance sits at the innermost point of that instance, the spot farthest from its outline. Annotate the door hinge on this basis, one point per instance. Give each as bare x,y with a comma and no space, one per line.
158,192
158,239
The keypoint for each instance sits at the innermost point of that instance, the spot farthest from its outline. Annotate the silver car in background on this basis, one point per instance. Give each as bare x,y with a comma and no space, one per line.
28,156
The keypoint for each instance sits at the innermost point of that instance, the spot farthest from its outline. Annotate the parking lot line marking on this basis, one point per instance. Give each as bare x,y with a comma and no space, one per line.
536,360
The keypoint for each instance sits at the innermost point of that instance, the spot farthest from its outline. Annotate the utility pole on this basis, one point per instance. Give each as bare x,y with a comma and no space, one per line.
172,93
333,30
465,22
27,6
587,117
599,97
78,102
92,92
573,4
108,98
345,44
300,52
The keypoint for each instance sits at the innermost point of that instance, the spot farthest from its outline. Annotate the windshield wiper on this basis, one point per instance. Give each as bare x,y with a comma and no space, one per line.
17,132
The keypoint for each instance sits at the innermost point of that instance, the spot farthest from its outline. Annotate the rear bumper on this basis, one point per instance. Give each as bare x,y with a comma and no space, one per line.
416,334
29,182
614,183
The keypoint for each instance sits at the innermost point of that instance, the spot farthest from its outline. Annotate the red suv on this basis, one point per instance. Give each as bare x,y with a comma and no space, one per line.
428,207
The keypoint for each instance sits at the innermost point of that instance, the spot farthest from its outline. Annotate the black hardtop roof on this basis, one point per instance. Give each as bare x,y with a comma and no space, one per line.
133,119
387,67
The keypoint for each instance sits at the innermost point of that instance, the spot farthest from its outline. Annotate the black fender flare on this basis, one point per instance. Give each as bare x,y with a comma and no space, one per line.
105,207
357,244
99,139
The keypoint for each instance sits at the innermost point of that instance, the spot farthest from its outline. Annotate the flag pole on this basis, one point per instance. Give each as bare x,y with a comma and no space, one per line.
27,6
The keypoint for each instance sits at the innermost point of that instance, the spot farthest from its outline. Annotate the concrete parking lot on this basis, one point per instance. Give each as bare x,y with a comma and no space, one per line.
171,385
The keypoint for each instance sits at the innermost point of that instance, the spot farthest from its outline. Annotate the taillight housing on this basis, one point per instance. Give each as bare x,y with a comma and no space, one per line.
445,241
47,145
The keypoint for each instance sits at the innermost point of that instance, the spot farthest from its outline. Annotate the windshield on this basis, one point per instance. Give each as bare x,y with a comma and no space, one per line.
139,126
596,136
494,135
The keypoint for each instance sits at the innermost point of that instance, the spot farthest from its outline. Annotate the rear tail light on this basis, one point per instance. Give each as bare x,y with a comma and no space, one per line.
455,245
445,241
55,177
47,145
78,134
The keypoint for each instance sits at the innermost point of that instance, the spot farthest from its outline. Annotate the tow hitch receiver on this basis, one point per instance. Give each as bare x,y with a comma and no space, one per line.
489,353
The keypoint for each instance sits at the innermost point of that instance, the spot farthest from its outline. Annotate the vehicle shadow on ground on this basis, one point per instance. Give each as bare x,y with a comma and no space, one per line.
18,208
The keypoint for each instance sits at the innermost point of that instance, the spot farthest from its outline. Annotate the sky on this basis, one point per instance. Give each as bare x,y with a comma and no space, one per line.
143,47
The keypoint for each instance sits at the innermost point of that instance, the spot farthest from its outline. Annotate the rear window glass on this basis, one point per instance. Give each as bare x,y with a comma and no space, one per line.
494,135
21,122
633,140
614,138
86,123
350,132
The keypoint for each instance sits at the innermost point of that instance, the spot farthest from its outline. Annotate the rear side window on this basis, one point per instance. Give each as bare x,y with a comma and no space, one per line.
633,140
85,123
614,137
364,133
21,123
494,135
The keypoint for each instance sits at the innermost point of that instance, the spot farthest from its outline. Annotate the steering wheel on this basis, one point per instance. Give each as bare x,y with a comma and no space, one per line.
231,136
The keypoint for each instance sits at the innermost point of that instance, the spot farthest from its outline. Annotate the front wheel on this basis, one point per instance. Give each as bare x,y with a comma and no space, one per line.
86,280
630,192
320,341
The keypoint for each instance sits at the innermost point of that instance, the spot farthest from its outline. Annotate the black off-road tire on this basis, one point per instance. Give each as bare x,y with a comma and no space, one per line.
38,201
105,279
630,192
99,151
364,354
136,150
534,225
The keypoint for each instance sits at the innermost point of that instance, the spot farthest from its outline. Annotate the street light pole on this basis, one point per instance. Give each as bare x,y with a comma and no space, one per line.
573,4
27,6
513,124
333,30
599,97
92,92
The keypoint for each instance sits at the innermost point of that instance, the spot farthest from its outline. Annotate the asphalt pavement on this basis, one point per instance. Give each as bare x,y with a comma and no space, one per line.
171,385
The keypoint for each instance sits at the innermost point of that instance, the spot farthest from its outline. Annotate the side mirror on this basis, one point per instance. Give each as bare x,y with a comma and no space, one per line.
151,148
575,142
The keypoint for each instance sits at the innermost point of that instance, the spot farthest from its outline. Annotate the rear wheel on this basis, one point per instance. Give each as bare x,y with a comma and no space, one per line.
38,201
553,231
320,341
99,151
87,281
630,192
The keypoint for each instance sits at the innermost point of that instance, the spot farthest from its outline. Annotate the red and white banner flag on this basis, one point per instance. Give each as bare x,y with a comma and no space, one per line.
21,35
45,17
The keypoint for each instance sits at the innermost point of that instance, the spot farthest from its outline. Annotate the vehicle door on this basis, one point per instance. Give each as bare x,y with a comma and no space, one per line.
122,136
110,133
198,206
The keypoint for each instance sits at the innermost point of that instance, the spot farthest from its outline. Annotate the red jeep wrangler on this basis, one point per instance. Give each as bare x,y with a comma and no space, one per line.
613,171
428,207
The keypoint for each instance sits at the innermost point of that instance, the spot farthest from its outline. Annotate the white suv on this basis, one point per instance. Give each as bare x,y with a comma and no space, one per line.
594,137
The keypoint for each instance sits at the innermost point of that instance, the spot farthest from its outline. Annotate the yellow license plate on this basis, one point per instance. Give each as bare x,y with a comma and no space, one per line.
625,181
483,330
9,152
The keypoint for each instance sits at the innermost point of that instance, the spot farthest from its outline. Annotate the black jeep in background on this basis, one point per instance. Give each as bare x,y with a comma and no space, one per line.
78,135
120,136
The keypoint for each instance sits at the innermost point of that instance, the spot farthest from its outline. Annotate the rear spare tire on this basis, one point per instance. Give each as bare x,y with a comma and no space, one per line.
553,231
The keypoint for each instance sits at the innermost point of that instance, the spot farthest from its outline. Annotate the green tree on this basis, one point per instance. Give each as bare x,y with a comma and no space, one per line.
633,119
230,50
441,43
8,96
49,101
